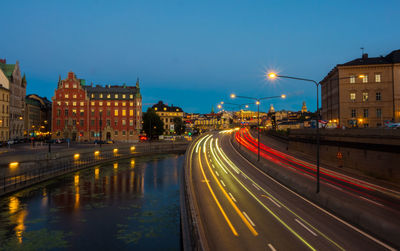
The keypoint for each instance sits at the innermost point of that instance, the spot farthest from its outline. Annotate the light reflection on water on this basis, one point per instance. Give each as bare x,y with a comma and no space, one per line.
128,204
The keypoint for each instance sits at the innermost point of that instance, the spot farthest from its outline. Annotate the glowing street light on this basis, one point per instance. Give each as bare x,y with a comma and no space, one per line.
258,114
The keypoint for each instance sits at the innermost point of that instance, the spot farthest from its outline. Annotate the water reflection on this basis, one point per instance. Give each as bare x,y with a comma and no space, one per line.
129,204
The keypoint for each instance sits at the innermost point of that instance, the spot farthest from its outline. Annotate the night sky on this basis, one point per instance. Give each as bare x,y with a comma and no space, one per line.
193,54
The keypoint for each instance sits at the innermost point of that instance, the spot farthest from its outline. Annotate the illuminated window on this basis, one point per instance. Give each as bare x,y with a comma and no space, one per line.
138,113
100,103
74,86
92,103
123,122
116,103
365,78
123,103
131,122
74,96
74,103
131,96
123,112
177,110
116,96
66,103
352,79
66,85
378,78
66,96
108,95
92,112
115,112
123,96
365,113
165,108
365,96
82,104
82,112
101,95
130,103
130,112
155,109
138,103
92,95
352,96
108,103
58,103
73,112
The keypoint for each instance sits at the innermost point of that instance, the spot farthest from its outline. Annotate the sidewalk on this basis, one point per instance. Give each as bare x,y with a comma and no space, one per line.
282,146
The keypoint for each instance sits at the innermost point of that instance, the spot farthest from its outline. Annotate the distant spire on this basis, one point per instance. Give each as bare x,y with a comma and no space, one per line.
212,109
59,78
304,107
137,83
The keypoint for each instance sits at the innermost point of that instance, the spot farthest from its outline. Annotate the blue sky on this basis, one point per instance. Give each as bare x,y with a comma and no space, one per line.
193,54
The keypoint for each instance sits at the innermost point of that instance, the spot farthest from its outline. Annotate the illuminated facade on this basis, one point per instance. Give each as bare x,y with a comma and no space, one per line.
85,112
167,114
4,107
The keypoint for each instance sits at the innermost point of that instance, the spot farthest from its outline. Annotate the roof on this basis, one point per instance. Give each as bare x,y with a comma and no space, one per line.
115,89
160,107
8,69
391,58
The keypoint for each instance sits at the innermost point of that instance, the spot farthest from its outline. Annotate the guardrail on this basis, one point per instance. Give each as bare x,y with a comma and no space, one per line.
42,170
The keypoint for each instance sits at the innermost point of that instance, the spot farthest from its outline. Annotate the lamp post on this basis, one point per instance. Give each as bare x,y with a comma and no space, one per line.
258,115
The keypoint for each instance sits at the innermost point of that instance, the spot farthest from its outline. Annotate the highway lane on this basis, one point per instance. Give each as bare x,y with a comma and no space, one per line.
240,208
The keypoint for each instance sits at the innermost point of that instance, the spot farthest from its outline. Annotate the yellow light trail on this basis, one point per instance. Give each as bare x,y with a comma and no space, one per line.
263,205
233,166
215,198
244,219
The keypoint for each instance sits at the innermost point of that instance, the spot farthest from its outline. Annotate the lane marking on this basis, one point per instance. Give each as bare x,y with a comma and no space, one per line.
233,198
223,183
256,187
271,247
217,202
246,222
316,206
376,203
309,230
217,173
273,201
248,218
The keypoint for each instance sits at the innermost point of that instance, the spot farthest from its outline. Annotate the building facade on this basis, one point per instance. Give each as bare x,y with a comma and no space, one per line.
17,98
37,116
364,92
167,114
83,112
4,106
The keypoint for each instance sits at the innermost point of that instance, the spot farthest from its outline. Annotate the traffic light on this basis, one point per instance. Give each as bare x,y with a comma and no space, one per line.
190,134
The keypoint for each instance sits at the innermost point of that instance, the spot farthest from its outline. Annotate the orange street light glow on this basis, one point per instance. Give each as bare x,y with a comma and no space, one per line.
233,95
257,102
272,75
283,96
14,164
361,76
76,156
96,153
133,148
115,150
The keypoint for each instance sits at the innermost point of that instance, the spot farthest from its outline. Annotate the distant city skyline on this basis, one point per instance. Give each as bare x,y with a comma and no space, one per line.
194,55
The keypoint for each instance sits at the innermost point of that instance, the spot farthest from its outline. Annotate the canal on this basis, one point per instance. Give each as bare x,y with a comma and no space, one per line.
126,204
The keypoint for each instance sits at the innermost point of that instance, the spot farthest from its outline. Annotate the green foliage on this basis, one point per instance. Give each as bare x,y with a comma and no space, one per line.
152,124
179,126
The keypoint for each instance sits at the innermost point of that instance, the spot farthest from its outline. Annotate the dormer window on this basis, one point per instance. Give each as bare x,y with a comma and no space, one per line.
74,85
66,85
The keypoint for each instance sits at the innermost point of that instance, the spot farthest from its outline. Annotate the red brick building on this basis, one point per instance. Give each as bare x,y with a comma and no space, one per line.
86,113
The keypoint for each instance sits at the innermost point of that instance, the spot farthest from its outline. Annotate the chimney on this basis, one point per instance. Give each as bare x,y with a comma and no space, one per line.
365,56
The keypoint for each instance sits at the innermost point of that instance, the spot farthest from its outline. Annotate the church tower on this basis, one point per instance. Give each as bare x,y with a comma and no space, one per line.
304,107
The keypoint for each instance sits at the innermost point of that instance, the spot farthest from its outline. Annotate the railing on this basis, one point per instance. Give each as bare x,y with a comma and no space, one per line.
50,168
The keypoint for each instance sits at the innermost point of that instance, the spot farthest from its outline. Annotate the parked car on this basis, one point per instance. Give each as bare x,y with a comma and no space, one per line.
10,142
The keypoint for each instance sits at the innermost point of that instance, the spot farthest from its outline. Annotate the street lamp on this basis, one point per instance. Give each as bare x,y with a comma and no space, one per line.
258,115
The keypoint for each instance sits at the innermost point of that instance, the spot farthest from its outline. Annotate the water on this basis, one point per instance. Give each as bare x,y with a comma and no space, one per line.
128,204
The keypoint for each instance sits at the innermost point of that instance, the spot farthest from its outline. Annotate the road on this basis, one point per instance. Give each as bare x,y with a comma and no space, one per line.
242,208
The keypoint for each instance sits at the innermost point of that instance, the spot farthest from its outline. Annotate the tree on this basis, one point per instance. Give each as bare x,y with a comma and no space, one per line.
152,124
179,127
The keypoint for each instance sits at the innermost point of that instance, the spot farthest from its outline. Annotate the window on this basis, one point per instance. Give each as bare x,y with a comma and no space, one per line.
81,123
365,113
131,122
353,113
379,113
378,96
66,96
365,78
130,103
73,103
91,134
138,103
378,78
74,86
108,113
66,103
130,133
100,103
74,112
92,112
108,103
123,122
81,112
74,96
92,95
123,133
92,122
65,122
365,96
123,96
66,85
115,122
352,79
116,96
131,96
74,122
116,103
366,125
123,103
58,102
115,112
66,112
108,122
116,133
108,95
165,108
123,112
58,123
101,95
58,112
130,112
92,103
378,124
82,104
